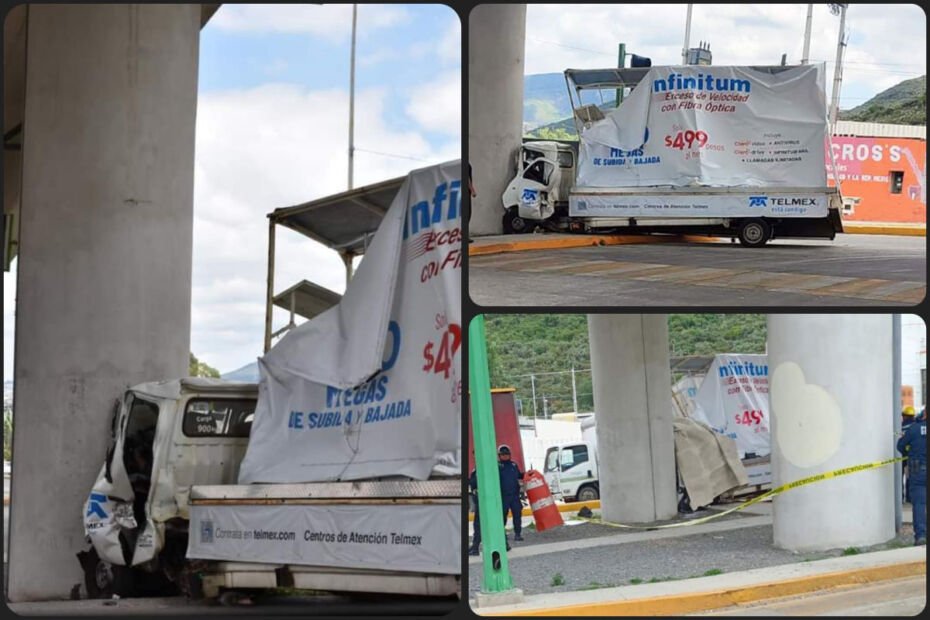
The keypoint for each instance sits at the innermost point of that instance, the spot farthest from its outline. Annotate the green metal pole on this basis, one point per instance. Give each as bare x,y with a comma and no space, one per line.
490,510
621,62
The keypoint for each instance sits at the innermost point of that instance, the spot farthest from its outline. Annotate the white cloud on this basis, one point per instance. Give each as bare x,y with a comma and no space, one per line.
260,149
450,45
447,48
438,106
887,42
328,21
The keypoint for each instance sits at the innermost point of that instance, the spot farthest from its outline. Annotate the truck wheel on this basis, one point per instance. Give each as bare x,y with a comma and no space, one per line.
103,579
514,224
755,233
588,494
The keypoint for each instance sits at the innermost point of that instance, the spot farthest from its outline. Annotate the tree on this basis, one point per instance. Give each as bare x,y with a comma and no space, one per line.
7,435
202,369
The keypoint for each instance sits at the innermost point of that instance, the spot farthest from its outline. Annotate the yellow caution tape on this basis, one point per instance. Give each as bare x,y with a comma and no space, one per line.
836,473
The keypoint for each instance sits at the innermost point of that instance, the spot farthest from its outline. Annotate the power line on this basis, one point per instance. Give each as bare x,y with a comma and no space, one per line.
391,155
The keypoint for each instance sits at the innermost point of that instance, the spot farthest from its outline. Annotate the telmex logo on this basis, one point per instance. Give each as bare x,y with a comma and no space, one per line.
758,201
94,506
206,531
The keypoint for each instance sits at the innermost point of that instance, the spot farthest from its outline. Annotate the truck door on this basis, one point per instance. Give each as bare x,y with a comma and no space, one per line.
138,454
552,471
210,442
576,468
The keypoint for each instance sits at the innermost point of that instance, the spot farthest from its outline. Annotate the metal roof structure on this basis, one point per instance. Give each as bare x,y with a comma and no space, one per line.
611,78
306,299
879,130
343,222
690,364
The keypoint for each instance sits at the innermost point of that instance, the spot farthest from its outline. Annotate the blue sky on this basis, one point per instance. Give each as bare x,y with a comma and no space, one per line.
395,48
272,131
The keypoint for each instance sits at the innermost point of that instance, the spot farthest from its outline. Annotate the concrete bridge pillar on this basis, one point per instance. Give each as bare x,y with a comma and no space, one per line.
496,37
831,389
635,440
104,275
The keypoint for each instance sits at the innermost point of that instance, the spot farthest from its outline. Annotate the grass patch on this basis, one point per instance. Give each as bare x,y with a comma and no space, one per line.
557,580
712,572
661,579
897,544
596,586
636,581
851,551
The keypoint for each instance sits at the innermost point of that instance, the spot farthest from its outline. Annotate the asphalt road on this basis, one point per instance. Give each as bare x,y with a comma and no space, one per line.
853,270
898,597
304,606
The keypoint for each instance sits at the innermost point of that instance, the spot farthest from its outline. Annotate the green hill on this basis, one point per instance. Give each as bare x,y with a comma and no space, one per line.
902,104
547,346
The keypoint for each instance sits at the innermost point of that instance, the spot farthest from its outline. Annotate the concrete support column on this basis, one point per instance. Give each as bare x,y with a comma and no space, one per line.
496,36
635,440
831,385
104,288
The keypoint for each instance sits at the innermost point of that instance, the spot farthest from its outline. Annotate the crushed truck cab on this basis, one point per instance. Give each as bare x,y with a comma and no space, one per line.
165,437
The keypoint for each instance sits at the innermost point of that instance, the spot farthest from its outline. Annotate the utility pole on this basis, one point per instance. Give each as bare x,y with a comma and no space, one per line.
574,392
352,96
621,62
533,384
496,574
839,9
805,56
684,50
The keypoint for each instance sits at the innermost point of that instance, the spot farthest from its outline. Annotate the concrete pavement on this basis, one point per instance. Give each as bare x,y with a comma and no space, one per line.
862,270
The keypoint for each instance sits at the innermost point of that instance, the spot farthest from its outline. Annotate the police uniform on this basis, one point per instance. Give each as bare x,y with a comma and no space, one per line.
913,445
510,494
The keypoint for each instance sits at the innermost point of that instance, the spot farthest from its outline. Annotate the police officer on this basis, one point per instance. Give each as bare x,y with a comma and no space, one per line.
511,476
476,540
913,445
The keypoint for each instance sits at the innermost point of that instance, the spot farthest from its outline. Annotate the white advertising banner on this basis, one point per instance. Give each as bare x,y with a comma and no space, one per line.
325,411
765,203
403,538
734,401
715,126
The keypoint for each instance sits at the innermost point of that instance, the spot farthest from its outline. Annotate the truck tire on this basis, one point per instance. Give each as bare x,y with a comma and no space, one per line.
754,233
514,224
588,493
103,580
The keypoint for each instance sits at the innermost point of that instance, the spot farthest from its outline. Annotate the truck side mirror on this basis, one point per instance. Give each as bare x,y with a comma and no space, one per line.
590,474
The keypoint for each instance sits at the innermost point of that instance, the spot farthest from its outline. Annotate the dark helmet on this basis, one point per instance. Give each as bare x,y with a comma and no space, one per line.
503,449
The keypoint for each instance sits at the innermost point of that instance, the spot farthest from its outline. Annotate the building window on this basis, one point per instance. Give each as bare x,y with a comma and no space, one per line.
897,181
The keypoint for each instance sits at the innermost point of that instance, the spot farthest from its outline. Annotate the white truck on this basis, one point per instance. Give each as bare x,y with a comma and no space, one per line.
701,159
211,486
571,470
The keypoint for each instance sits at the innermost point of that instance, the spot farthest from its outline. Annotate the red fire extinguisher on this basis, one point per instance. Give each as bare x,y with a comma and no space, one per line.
545,512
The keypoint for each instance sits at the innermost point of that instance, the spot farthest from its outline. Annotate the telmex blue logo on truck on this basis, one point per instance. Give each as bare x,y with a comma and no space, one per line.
94,505
758,201
676,81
